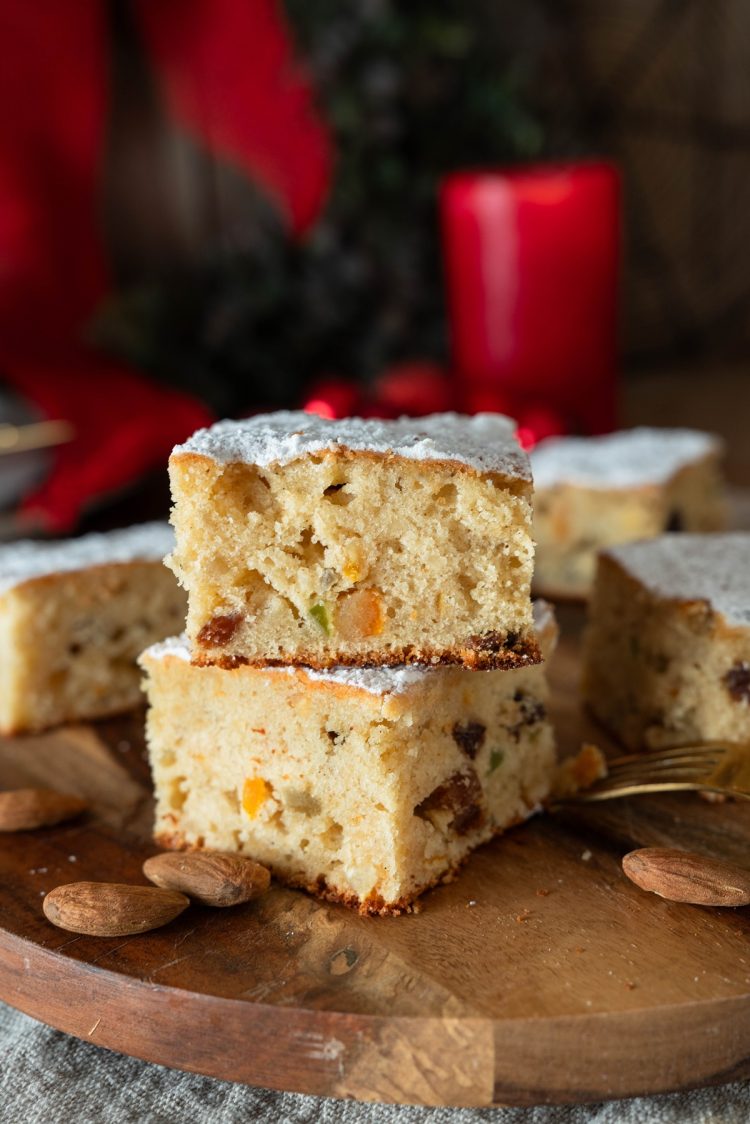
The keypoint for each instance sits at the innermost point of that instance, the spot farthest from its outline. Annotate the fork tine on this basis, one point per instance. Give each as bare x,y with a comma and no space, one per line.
706,759
692,777
720,767
665,767
696,753
593,795
664,771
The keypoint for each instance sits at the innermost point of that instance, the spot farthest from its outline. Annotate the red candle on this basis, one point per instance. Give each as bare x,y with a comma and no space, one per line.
532,261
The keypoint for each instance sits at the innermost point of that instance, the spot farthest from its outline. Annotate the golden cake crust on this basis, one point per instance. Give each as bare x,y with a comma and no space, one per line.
488,655
371,906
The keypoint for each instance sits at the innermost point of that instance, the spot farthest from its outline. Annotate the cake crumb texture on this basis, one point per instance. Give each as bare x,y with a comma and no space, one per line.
667,648
355,543
361,796
74,617
596,492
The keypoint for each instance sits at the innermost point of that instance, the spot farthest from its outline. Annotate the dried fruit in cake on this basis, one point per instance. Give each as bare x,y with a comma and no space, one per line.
364,785
356,542
74,616
668,643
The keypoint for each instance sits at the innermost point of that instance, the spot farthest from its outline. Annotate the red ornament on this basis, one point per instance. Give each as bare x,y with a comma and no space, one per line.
487,400
415,388
535,422
332,398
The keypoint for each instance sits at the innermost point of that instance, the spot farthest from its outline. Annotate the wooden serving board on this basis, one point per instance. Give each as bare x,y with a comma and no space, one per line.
539,975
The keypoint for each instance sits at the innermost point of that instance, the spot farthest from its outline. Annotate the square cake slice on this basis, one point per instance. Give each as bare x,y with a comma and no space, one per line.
74,616
667,651
595,492
302,540
362,785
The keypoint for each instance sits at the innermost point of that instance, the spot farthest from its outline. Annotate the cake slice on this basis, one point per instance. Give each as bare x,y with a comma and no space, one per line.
594,492
302,540
74,617
362,785
667,651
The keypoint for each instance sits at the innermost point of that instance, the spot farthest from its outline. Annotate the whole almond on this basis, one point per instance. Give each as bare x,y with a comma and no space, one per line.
24,809
211,877
110,909
681,876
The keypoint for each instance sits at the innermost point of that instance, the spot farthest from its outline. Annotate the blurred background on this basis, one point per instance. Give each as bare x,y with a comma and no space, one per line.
216,207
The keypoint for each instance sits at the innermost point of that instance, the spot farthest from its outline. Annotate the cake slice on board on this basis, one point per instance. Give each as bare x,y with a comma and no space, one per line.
363,785
595,492
74,617
667,650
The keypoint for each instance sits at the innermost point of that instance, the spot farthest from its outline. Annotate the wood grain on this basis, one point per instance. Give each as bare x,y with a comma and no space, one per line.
539,975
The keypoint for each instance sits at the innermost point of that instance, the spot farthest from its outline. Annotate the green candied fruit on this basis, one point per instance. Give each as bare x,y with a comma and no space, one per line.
319,613
496,758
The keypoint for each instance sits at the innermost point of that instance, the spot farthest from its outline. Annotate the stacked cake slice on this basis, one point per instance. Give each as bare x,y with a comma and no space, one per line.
357,701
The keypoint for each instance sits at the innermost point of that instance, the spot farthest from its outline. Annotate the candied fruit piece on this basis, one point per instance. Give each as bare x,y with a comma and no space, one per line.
255,792
359,614
319,614
496,759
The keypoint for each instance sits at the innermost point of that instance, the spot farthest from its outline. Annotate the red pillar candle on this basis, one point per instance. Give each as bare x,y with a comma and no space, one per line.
532,261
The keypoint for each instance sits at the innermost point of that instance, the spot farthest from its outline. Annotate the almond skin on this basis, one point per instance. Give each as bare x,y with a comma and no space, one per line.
24,809
110,909
210,877
682,876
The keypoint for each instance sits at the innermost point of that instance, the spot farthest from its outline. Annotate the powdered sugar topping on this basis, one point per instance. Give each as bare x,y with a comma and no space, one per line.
177,646
376,680
22,561
627,459
681,567
485,442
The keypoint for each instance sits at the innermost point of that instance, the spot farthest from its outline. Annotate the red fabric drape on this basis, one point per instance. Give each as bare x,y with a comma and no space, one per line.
228,75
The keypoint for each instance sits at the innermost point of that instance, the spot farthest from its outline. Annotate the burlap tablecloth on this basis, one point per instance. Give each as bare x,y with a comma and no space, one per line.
49,1078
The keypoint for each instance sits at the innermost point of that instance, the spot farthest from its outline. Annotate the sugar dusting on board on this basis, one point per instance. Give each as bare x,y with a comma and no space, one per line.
485,442
626,459
28,559
712,568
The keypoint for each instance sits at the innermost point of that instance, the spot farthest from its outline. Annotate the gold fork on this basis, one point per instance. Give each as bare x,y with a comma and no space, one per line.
720,767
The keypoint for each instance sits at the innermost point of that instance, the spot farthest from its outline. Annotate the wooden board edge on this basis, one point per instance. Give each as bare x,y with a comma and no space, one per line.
456,1062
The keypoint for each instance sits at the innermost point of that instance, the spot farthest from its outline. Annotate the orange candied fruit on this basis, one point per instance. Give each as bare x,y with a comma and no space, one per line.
255,792
360,613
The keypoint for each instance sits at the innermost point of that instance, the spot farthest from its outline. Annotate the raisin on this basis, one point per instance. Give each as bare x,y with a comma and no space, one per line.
674,522
219,630
531,711
737,681
469,737
460,794
486,642
493,641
